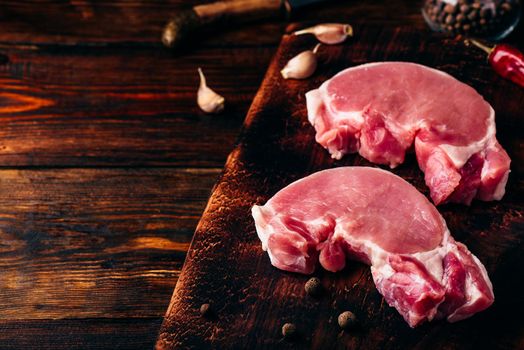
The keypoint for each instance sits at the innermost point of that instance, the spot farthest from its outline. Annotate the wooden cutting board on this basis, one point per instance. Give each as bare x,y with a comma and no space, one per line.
227,268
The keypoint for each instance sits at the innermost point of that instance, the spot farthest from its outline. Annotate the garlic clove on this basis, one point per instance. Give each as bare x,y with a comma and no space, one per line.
301,66
329,33
208,100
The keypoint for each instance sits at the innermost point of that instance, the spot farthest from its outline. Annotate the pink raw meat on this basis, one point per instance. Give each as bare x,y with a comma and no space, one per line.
379,109
374,216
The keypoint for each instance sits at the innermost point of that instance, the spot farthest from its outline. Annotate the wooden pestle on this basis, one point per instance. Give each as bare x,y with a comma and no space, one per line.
191,21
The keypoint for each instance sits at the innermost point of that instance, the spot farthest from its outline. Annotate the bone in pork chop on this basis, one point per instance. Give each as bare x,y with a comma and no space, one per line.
376,217
381,109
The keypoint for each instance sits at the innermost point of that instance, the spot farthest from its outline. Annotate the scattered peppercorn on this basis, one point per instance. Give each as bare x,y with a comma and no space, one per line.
289,331
205,309
313,287
347,320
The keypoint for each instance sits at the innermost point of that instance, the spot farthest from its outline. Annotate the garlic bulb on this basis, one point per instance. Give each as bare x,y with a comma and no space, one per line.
329,33
301,66
208,100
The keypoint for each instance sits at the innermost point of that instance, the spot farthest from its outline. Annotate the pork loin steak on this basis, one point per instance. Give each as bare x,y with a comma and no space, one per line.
376,217
379,109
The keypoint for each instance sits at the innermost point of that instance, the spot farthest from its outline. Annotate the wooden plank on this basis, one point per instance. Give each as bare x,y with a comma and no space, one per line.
121,21
134,107
95,242
252,300
86,334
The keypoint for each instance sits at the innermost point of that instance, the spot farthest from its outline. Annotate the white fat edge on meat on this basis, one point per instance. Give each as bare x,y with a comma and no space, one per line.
356,117
314,103
264,230
299,261
375,253
432,259
261,212
473,294
483,271
385,272
485,168
500,190
459,155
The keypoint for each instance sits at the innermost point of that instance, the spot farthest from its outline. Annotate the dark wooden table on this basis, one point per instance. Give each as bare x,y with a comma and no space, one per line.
106,162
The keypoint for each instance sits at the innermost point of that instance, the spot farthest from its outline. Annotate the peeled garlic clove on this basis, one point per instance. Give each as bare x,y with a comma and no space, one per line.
208,100
329,33
301,66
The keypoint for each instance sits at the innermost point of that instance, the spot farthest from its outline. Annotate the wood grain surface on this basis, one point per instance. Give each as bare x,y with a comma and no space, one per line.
106,163
227,268
140,112
85,333
101,228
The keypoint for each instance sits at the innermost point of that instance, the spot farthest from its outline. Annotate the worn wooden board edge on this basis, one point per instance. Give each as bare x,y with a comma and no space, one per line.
183,327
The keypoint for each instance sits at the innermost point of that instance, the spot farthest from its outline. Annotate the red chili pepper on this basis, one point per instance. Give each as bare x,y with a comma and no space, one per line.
506,60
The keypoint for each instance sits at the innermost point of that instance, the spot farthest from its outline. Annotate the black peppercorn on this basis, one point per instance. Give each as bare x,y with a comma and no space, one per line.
464,8
485,13
506,7
289,331
473,15
449,9
347,320
313,287
205,309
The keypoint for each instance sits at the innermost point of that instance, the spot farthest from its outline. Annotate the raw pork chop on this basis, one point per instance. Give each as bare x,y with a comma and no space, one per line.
374,216
379,109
